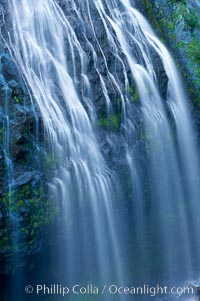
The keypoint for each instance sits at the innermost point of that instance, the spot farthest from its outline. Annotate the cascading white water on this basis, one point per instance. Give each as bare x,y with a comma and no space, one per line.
157,239
83,176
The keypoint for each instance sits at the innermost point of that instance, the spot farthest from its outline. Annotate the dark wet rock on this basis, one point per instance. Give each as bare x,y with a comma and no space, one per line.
1,157
2,12
9,69
23,156
22,140
21,176
12,84
198,290
107,64
26,202
15,217
22,109
23,210
2,81
160,73
25,178
26,145
178,23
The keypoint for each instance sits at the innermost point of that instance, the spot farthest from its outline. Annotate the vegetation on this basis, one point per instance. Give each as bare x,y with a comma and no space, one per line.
112,121
31,209
134,94
183,21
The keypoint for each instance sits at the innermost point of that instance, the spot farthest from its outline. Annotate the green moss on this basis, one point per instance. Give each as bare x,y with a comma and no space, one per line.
180,45
182,11
191,18
189,15
166,28
134,94
171,26
112,121
34,208
16,99
194,50
149,8
177,1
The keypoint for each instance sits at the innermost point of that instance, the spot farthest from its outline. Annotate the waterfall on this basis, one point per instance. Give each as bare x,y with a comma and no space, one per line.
116,118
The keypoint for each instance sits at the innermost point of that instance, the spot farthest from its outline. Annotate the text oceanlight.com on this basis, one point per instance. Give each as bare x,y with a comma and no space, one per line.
111,289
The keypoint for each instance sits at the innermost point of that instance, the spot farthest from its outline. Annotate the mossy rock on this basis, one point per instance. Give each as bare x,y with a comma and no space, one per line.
30,210
112,122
